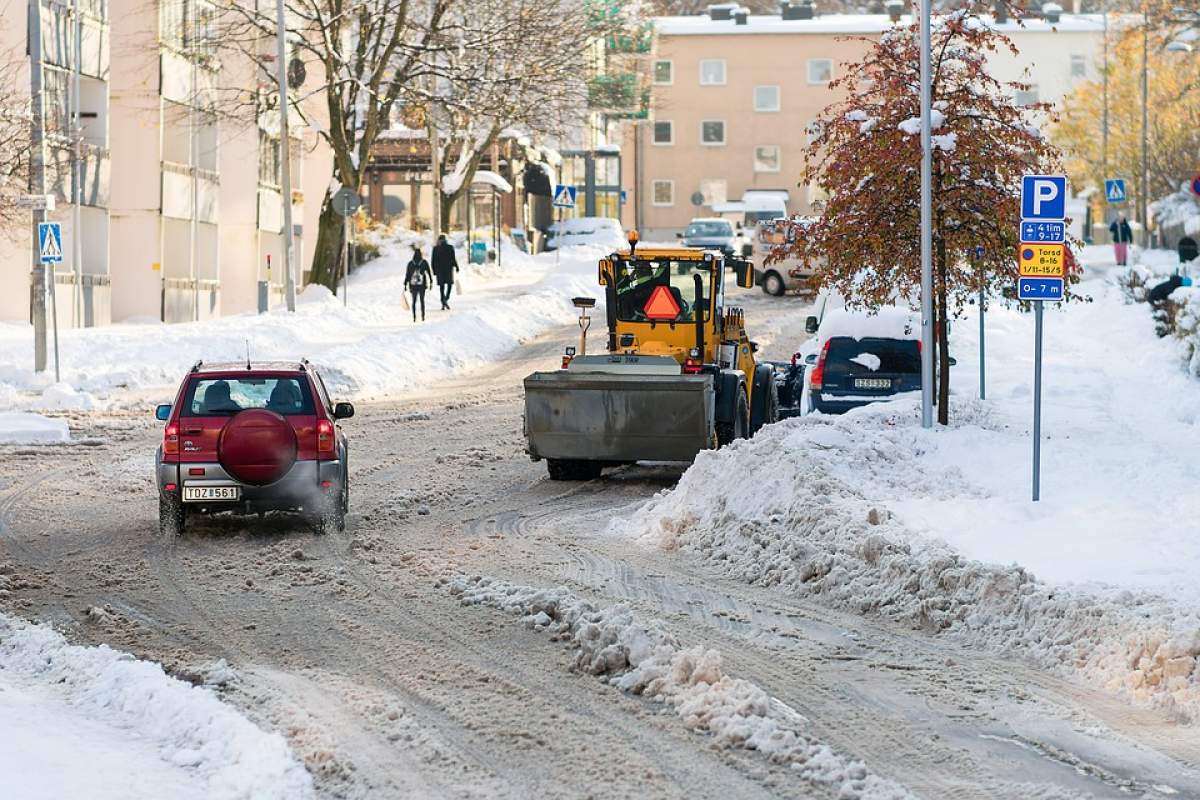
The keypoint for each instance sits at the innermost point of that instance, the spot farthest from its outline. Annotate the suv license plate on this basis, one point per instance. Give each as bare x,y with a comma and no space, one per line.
872,383
200,494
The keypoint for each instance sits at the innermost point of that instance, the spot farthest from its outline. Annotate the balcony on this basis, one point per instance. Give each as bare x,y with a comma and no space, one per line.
94,170
177,192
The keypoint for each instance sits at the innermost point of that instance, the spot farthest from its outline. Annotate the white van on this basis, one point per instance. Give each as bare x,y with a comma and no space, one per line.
791,274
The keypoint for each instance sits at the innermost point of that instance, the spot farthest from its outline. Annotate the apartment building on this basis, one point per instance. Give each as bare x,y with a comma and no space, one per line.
74,140
197,210
181,212
735,97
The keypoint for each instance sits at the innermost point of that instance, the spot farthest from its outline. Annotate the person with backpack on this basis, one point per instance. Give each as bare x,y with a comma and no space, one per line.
417,278
1122,236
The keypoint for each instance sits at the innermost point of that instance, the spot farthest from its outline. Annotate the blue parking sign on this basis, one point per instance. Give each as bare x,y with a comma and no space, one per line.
1041,289
1044,197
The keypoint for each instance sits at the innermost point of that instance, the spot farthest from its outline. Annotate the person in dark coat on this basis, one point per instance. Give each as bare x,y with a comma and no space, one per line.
417,278
1122,236
444,267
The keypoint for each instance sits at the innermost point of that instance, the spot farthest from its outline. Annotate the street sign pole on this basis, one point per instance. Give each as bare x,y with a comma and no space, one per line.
346,268
285,159
37,170
926,224
1037,401
982,367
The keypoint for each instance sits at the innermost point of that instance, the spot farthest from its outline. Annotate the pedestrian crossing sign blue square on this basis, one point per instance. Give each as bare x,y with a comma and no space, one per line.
50,242
1114,191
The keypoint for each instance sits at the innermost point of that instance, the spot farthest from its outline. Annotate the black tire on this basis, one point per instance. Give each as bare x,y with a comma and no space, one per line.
331,512
172,516
739,428
565,469
764,408
772,284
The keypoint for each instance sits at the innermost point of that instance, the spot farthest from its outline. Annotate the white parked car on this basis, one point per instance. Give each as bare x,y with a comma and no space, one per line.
593,231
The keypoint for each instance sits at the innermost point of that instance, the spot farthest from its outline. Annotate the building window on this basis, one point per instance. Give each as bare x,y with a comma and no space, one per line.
664,132
712,132
663,193
766,158
712,72
664,73
766,98
1078,66
820,70
1026,97
714,190
268,159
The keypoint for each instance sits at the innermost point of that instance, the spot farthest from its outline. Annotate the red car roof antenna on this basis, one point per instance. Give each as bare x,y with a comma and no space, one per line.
247,354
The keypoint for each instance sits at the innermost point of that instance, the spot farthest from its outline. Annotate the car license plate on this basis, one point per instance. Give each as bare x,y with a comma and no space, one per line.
200,494
872,383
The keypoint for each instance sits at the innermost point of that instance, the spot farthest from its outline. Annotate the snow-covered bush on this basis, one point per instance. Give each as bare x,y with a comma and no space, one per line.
1186,304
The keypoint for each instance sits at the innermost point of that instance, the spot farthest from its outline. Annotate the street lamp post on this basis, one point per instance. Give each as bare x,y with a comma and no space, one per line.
926,223
285,159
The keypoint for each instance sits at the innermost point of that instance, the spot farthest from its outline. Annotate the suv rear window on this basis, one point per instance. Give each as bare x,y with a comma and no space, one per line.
868,356
222,397
709,229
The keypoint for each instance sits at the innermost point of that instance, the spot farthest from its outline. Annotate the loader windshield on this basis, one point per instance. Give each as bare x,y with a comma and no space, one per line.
661,290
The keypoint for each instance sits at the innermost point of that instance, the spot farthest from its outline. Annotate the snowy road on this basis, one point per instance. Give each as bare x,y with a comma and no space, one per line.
355,648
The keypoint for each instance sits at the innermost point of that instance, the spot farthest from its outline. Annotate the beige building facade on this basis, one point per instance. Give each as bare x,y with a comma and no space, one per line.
734,101
182,212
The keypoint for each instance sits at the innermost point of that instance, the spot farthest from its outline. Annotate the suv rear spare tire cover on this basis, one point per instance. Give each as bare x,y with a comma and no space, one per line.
257,446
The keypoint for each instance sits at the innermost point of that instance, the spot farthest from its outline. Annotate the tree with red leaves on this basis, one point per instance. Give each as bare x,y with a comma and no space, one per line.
866,157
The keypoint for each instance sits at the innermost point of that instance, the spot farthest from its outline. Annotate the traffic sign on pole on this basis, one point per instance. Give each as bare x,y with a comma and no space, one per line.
1041,260
564,196
1044,197
1114,191
1196,185
1032,231
1040,289
50,242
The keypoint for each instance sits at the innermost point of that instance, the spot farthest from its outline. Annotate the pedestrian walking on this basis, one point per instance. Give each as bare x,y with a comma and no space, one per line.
1122,236
417,278
444,267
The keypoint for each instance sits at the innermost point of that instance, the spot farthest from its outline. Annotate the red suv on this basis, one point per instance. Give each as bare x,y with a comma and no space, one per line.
252,438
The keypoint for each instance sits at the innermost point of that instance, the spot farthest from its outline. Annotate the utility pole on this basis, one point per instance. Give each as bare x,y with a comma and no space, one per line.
193,28
1104,145
1143,195
926,223
37,167
77,171
285,159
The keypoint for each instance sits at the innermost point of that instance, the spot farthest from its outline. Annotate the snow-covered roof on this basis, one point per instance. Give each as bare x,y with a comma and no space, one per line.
855,23
492,179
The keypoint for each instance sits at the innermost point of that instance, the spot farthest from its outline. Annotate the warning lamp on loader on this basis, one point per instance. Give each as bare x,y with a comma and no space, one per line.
633,242
693,364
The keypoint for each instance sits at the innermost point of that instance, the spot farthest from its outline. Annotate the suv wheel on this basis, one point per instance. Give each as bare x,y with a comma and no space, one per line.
171,516
331,512
772,284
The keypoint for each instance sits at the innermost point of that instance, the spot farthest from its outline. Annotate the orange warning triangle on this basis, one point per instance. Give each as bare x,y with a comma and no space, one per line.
661,305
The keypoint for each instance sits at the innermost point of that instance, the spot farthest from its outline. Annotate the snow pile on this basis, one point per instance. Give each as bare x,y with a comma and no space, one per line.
812,518
367,350
19,428
936,528
1181,208
1187,327
54,695
646,660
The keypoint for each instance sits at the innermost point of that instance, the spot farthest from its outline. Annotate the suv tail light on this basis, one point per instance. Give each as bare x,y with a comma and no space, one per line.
171,439
818,374
325,437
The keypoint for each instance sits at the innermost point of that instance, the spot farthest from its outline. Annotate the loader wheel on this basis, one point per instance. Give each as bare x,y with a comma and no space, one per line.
573,470
739,428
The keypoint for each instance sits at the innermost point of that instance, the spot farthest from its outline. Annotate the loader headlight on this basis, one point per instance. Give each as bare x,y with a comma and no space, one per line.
694,352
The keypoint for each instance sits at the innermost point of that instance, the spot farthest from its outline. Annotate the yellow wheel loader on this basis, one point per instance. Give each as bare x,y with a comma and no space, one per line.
679,375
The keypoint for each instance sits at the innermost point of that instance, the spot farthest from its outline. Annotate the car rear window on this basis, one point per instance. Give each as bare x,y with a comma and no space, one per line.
709,229
222,397
868,356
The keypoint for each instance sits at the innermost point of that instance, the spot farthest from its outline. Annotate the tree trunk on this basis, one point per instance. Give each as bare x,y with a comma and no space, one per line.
942,331
447,202
327,253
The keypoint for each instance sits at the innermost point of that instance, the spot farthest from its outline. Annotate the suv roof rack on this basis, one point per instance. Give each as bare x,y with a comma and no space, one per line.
196,366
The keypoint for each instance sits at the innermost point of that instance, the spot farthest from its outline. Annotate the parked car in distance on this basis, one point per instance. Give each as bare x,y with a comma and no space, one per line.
789,274
711,233
862,357
247,438
596,231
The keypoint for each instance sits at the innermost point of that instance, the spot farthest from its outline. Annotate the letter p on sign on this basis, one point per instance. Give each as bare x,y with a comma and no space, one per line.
1044,197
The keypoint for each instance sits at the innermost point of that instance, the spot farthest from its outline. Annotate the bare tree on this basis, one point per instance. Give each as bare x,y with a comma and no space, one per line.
528,65
15,146
360,56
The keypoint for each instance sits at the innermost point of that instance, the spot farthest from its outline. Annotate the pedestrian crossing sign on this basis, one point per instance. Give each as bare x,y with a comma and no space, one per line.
1114,191
50,242
564,196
